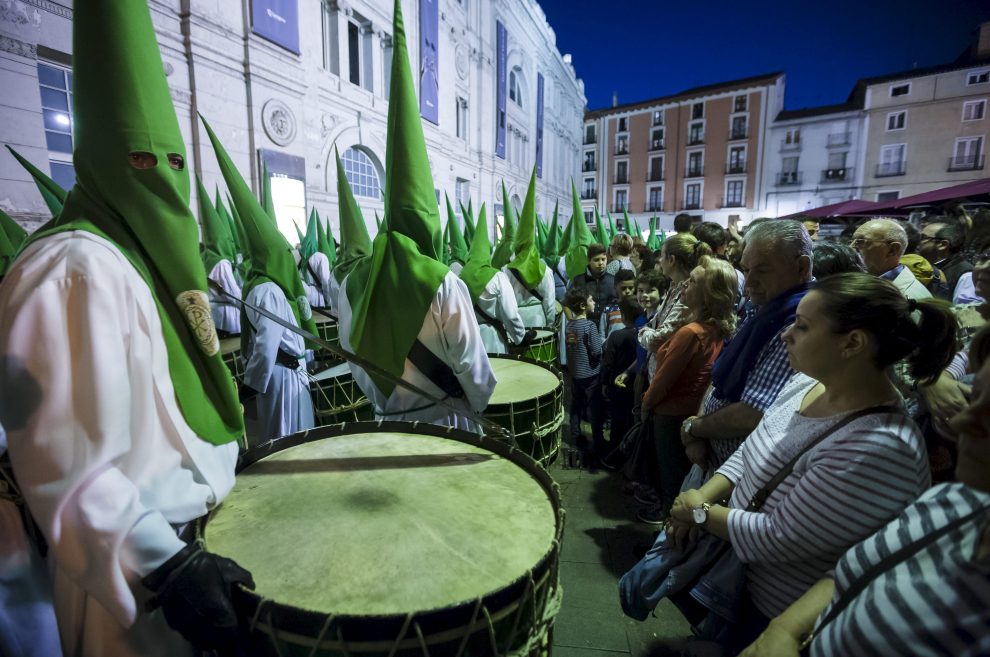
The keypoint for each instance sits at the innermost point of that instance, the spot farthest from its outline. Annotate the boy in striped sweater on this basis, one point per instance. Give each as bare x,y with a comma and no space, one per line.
584,354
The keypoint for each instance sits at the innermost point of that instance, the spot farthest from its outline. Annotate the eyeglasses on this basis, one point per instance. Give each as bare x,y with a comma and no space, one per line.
860,241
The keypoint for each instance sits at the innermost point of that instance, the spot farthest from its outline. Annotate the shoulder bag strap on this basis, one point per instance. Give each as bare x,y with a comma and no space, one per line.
494,323
534,292
437,371
884,565
760,498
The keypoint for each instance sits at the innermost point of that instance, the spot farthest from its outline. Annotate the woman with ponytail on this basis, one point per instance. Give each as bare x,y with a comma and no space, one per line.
849,457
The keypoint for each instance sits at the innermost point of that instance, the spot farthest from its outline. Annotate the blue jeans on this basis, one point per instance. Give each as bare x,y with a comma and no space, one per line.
587,393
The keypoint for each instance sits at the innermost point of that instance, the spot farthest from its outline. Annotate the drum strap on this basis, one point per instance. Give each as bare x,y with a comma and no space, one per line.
437,371
534,292
494,323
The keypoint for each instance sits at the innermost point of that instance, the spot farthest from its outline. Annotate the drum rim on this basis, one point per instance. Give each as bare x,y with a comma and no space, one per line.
315,623
559,388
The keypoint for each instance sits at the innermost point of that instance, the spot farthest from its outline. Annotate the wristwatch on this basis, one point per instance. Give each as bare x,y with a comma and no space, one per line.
688,425
701,513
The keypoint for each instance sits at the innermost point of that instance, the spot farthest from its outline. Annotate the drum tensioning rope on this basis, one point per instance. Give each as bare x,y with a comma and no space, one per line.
368,366
352,405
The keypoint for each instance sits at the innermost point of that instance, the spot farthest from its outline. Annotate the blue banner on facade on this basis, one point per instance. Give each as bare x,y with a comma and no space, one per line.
503,53
429,79
278,21
539,125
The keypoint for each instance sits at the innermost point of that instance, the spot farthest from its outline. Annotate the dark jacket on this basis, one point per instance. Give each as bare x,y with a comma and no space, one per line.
620,353
602,291
952,268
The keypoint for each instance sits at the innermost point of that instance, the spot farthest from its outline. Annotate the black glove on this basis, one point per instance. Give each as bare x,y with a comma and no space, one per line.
194,590
528,338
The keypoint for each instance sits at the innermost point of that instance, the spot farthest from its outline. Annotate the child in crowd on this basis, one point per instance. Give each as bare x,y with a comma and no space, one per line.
651,286
584,353
620,353
596,280
625,286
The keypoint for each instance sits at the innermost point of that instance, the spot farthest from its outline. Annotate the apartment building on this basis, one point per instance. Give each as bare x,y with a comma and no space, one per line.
699,151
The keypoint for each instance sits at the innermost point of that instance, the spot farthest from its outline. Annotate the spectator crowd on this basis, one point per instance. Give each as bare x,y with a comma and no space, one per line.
806,422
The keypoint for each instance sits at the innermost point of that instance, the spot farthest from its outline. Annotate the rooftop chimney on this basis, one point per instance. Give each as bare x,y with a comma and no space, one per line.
981,42
615,98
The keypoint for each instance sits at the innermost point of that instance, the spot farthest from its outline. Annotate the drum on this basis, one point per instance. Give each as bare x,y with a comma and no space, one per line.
230,350
392,538
528,401
337,397
543,348
326,328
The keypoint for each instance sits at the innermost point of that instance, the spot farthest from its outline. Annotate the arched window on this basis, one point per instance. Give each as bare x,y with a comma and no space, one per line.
361,173
515,88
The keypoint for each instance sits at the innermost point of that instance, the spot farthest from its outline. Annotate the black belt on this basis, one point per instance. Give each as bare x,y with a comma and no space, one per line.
285,359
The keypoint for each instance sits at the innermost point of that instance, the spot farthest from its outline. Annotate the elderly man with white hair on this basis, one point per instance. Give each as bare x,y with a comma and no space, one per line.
881,242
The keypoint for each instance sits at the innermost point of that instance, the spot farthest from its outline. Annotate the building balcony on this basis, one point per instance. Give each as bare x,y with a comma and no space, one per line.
695,173
656,144
730,203
621,179
789,178
622,149
966,163
657,123
691,205
618,207
654,176
696,140
588,141
738,134
589,195
735,169
830,176
588,166
885,169
653,207
791,146
840,139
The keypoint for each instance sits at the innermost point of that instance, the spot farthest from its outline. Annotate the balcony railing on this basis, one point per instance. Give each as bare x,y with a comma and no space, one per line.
789,178
966,163
737,134
656,144
695,139
657,123
733,169
654,176
837,175
789,146
695,172
731,202
622,149
653,207
691,205
589,195
840,139
588,141
588,166
621,179
618,207
885,169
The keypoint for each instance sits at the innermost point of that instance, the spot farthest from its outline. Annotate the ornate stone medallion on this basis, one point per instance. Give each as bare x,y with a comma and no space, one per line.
278,121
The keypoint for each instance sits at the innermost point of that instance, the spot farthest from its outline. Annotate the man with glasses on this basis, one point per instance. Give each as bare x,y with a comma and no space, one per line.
881,243
941,244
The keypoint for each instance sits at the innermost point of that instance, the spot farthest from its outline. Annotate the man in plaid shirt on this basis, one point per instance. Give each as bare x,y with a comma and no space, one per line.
777,264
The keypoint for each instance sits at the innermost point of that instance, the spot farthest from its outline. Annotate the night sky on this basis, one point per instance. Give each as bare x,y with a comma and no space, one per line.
648,48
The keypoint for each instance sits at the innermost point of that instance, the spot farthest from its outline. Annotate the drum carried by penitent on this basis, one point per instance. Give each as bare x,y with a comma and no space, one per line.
543,348
528,401
337,397
377,539
326,328
230,351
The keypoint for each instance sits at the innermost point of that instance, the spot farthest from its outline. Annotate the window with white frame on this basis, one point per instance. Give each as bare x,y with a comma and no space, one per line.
622,145
737,160
793,136
656,200
697,133
589,217
658,117
460,112
698,111
56,106
968,154
837,160
623,124
656,168
695,164
692,197
515,88
331,56
621,172
360,173
900,90
896,120
589,188
734,194
740,104
656,139
462,192
738,127
892,160
978,77
621,197
974,110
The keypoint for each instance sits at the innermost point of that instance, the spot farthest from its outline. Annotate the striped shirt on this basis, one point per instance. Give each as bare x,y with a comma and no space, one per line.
840,492
584,344
937,602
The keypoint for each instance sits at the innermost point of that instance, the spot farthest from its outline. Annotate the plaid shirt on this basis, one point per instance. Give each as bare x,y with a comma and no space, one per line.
769,376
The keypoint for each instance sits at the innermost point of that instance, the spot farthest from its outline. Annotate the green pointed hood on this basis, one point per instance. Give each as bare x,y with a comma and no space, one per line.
639,230
271,258
479,270
458,247
266,194
527,261
445,245
228,221
324,241
355,243
378,222
504,250
299,234
216,237
564,240
468,226
121,106
51,192
600,235
626,222
551,250
541,235
391,292
654,241
16,235
612,232
8,252
241,237
310,242
580,238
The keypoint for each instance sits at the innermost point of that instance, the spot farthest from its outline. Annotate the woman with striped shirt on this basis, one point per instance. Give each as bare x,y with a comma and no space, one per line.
847,330
932,598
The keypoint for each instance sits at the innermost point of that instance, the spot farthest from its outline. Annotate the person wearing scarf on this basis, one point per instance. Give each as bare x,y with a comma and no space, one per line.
122,420
402,292
219,255
527,272
492,295
274,357
314,265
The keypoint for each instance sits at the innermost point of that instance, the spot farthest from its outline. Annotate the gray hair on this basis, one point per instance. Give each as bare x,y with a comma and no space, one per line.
789,235
890,230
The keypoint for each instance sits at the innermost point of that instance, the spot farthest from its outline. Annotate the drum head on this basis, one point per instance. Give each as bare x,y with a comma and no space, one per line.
333,372
230,345
544,335
518,380
383,523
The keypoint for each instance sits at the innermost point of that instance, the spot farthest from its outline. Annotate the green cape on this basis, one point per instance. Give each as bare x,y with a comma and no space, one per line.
310,242
216,238
51,192
8,252
579,239
601,236
122,105
324,241
271,259
527,261
458,247
391,292
468,225
479,271
503,252
355,244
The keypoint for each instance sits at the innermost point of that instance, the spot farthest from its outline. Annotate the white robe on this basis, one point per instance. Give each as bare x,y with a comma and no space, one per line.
450,331
103,455
317,289
226,316
284,404
456,267
534,313
498,300
334,292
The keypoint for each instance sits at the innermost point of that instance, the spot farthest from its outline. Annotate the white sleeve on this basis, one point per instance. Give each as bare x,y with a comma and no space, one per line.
267,338
323,271
507,310
965,291
549,299
66,401
225,277
332,301
462,343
